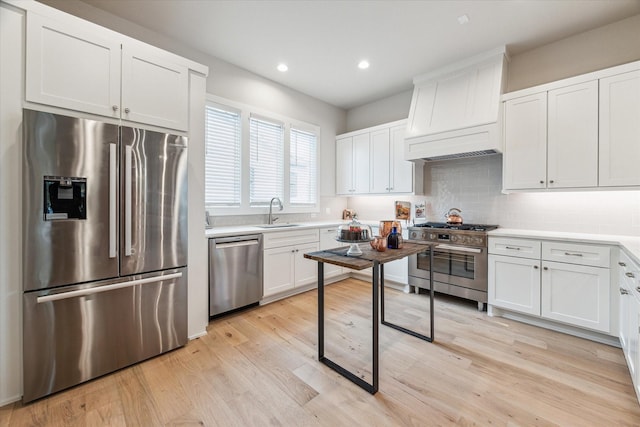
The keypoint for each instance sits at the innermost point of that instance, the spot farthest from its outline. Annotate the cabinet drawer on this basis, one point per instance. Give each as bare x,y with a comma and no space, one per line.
288,238
522,248
596,256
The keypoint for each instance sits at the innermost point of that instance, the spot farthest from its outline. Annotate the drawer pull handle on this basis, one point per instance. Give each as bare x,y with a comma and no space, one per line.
512,247
622,264
629,275
570,254
624,291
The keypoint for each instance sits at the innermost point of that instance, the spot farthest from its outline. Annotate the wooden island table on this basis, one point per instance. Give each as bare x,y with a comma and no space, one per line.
370,258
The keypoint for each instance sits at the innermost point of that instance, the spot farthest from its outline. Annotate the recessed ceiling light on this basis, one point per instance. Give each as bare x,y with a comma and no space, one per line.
363,65
282,67
463,19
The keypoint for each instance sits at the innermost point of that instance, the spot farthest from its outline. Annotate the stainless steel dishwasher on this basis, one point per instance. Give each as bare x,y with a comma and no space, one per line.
235,272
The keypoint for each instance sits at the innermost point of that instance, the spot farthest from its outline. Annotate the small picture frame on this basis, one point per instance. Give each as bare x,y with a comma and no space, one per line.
403,210
420,209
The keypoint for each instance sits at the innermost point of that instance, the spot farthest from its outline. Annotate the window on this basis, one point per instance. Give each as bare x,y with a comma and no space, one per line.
266,163
302,167
222,160
253,156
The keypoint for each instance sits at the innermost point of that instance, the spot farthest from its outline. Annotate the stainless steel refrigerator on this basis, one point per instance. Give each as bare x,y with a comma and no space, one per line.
104,248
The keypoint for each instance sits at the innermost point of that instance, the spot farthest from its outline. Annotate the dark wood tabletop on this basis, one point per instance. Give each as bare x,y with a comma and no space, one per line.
338,256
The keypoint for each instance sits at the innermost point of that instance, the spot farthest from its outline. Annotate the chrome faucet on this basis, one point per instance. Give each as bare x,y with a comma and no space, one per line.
271,218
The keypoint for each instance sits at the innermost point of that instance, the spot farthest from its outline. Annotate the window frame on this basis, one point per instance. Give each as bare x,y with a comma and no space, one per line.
246,112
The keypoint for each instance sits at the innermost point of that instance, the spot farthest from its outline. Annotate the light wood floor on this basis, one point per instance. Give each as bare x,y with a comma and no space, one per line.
259,368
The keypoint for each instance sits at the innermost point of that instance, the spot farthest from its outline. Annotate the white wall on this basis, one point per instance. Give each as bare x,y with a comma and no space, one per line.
395,107
474,186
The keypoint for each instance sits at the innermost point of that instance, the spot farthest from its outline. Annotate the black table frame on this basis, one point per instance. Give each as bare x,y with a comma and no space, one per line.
377,280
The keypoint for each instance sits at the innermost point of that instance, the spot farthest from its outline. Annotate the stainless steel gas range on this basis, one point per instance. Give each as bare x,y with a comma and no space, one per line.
459,259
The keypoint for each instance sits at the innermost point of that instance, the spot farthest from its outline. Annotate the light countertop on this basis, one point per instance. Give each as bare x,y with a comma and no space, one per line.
631,245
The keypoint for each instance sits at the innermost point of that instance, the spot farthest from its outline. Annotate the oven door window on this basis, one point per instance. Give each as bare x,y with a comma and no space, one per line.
422,260
454,264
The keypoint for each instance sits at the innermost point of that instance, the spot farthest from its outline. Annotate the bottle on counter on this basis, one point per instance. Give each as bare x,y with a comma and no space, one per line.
393,240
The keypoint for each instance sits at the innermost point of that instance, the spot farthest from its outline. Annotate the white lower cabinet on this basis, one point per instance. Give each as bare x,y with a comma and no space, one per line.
328,241
629,326
285,267
530,280
576,294
516,283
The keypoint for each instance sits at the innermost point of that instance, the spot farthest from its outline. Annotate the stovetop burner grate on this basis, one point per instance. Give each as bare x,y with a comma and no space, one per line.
445,226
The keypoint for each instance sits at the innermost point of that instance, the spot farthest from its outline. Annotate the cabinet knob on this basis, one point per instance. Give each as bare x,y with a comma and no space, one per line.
126,110
545,268
551,182
541,182
629,274
115,108
535,266
638,288
623,291
622,264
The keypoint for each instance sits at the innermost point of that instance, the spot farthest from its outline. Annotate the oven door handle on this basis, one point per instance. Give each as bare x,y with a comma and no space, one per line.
459,249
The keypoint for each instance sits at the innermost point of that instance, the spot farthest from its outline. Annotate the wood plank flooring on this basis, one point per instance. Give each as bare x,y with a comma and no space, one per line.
259,368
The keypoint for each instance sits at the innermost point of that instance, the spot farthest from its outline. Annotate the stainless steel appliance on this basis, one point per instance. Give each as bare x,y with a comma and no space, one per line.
104,248
459,259
235,272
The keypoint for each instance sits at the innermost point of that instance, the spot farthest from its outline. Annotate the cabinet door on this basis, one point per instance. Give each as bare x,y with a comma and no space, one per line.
401,169
344,166
514,283
620,130
306,270
525,133
328,241
155,91
380,161
576,294
361,163
72,66
572,146
278,270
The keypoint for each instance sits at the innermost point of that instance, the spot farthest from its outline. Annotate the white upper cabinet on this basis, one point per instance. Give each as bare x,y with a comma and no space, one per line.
620,130
72,67
525,156
154,90
572,145
551,139
352,164
76,65
377,152
580,132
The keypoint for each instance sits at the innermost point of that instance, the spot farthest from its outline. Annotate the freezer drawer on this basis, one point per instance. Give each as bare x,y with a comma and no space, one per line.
75,333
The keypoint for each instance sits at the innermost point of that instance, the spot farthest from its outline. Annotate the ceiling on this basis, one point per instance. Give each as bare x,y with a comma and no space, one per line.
323,41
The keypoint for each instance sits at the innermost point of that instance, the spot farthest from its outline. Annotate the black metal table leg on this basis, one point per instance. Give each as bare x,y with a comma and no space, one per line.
371,388
401,328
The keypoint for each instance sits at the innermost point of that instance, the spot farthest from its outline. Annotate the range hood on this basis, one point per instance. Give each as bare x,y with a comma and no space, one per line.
456,111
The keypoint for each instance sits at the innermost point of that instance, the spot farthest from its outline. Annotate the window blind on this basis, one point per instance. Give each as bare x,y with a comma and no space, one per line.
266,164
302,168
222,159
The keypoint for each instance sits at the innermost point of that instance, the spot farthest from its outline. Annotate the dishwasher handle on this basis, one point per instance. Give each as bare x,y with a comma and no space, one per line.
237,244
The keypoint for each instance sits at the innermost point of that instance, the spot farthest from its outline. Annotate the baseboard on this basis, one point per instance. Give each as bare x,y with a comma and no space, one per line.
9,400
197,335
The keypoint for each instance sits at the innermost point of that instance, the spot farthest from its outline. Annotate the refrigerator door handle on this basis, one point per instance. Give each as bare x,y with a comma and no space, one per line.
91,291
127,200
112,200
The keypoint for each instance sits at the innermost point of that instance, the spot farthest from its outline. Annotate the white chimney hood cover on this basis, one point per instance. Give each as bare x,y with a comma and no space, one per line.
456,111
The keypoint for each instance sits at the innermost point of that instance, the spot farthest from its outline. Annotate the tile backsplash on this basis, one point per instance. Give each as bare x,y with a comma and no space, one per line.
474,185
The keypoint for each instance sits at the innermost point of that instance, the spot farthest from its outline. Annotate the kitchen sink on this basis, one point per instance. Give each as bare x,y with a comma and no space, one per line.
278,225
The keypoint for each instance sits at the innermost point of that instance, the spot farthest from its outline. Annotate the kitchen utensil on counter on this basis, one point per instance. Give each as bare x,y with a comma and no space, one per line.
379,243
453,216
386,226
